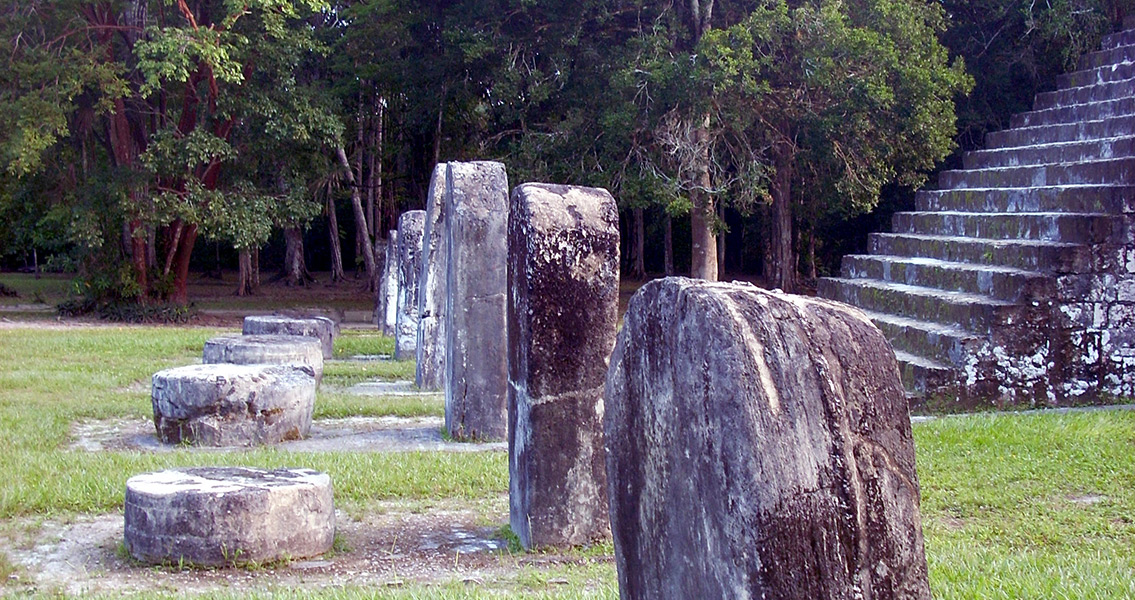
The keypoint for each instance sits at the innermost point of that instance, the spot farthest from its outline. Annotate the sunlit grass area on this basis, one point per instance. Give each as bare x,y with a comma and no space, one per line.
1014,506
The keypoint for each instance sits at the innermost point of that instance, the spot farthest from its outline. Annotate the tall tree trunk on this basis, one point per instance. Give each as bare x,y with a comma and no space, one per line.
638,243
360,220
668,245
181,264
357,180
376,168
295,265
437,132
721,241
781,258
244,273
703,257
336,247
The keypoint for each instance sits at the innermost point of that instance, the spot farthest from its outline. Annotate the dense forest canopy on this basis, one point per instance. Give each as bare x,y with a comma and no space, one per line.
761,136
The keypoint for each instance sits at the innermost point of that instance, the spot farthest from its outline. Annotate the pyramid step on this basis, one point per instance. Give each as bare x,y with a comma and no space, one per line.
1028,255
1042,154
1112,170
1076,228
1103,58
1114,70
1002,283
1093,111
1109,127
942,344
1115,40
973,312
920,374
1087,94
1073,198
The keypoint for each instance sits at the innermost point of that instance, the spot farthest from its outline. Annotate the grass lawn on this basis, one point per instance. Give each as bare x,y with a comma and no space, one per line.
1014,506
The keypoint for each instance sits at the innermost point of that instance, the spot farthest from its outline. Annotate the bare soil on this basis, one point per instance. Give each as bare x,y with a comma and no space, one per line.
395,544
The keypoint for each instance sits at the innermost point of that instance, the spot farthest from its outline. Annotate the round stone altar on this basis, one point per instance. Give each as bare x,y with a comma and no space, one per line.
222,516
266,350
233,405
317,327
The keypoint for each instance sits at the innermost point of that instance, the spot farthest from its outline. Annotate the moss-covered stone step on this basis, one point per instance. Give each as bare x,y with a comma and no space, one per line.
1030,255
1072,198
1078,112
1046,154
1113,170
974,312
919,373
1086,93
1118,66
941,343
1105,57
1107,127
1077,228
1003,283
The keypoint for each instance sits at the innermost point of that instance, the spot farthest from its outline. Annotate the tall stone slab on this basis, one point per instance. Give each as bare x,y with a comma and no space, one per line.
759,446
476,354
387,313
562,314
410,229
430,367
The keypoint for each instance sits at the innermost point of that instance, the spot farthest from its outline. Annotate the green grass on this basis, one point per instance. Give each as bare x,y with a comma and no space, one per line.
49,289
1014,506
1029,506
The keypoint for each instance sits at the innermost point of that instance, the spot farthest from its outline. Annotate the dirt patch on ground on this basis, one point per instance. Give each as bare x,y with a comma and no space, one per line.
353,434
395,544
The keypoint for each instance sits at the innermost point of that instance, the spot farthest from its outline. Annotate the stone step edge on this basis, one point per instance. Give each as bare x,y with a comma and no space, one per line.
948,296
921,361
946,264
1068,164
1036,128
1021,115
977,240
1048,145
1075,88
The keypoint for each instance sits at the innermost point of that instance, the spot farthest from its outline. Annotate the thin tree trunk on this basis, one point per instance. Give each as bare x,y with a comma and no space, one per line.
360,220
703,214
359,176
437,132
782,259
638,242
379,152
295,265
721,242
181,264
336,247
668,245
244,273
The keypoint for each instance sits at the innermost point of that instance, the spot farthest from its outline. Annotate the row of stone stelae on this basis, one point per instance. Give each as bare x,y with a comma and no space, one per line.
251,389
735,442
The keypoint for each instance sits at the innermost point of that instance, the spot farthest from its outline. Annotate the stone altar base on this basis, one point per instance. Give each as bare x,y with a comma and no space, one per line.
295,350
317,327
232,405
223,516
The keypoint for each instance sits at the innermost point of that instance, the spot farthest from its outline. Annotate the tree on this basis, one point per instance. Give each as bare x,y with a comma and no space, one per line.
155,98
823,101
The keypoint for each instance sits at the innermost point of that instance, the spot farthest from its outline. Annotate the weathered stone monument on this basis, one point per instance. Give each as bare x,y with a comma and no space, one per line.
387,313
430,367
759,446
233,405
476,344
224,516
563,303
321,328
410,229
296,350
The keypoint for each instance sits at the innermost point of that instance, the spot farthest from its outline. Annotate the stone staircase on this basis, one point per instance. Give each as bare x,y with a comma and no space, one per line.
1013,282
